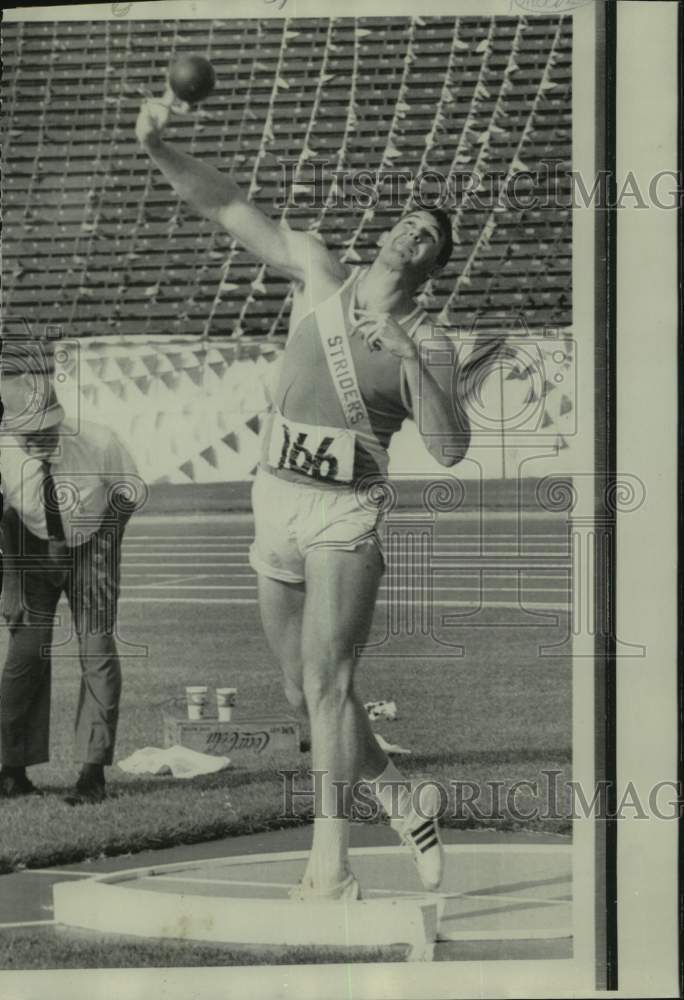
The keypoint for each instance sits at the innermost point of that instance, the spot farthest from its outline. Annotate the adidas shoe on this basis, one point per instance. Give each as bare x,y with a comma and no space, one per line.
421,834
347,889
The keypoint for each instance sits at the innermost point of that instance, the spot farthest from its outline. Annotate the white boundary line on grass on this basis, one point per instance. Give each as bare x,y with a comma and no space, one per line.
529,605
240,543
511,572
455,515
26,923
56,871
403,589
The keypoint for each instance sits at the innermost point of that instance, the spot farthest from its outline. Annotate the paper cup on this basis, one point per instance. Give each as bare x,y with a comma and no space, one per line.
197,701
225,702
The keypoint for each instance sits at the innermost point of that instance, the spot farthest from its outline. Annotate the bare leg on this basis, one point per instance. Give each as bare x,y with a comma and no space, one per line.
282,612
341,588
282,616
326,624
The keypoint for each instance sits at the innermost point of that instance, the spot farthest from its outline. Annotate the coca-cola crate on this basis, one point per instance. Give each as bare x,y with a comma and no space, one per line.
243,740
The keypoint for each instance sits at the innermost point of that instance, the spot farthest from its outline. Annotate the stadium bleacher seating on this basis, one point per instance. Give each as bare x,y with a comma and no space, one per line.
95,241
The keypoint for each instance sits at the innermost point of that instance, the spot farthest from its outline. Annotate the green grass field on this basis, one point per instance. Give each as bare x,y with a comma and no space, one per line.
500,713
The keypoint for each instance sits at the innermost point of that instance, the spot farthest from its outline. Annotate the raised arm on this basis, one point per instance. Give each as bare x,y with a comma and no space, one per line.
431,374
217,197
442,384
430,371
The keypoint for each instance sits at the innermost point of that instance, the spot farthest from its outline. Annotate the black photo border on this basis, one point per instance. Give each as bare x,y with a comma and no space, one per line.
605,466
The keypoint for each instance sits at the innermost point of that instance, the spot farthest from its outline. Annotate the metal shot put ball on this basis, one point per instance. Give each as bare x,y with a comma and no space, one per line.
191,78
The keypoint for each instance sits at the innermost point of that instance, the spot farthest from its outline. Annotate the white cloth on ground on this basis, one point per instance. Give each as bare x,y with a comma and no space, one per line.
181,762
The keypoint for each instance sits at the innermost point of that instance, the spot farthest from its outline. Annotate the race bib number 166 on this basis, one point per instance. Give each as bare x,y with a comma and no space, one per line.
323,453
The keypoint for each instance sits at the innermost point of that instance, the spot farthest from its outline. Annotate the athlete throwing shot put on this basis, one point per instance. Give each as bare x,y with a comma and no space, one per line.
355,366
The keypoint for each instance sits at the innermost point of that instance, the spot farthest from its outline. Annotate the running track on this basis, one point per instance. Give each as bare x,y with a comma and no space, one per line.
506,560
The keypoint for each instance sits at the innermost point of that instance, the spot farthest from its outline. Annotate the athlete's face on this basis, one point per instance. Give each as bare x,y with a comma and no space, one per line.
415,242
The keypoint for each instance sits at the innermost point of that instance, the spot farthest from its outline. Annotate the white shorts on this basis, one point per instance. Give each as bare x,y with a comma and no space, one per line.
292,519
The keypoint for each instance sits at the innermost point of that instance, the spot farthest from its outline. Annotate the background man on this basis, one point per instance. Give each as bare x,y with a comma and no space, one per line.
68,491
353,369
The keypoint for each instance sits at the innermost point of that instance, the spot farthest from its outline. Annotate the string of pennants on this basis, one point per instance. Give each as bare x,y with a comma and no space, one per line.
192,411
189,412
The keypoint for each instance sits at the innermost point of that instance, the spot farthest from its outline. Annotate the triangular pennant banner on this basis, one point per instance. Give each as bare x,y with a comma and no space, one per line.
170,379
209,455
195,375
97,365
118,388
143,383
151,362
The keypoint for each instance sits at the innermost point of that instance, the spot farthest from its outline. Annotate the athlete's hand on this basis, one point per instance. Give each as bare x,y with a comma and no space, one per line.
380,330
11,604
154,115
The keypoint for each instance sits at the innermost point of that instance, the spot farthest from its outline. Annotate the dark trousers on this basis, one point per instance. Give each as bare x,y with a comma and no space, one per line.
89,576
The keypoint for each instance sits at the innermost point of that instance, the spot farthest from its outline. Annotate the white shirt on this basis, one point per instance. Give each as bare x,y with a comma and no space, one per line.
89,462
